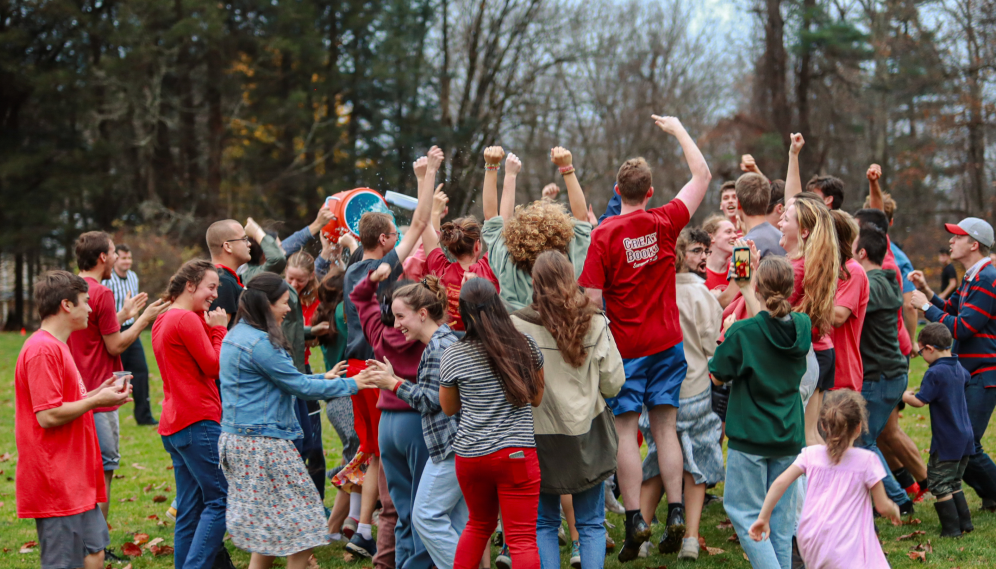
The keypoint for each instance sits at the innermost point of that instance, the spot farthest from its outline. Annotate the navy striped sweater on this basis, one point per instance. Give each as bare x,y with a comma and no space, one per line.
970,314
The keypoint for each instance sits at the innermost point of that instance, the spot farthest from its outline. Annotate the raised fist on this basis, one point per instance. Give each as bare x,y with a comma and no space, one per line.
670,125
797,143
747,164
550,191
561,156
512,165
420,166
493,155
435,159
874,173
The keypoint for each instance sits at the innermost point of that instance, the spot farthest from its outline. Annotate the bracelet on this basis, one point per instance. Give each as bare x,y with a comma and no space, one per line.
492,167
565,170
397,386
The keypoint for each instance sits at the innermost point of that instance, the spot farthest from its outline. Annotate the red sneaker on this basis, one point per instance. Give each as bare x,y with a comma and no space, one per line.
920,494
915,492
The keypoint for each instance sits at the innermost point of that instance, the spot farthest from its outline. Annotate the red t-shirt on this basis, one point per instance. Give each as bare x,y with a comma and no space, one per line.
851,294
451,274
824,342
889,263
631,259
95,363
187,352
716,280
59,470
308,311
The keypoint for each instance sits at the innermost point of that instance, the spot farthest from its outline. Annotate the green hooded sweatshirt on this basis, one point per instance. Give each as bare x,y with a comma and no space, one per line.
765,358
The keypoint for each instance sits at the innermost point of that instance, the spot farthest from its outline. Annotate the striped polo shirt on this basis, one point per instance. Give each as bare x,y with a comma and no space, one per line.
970,314
122,287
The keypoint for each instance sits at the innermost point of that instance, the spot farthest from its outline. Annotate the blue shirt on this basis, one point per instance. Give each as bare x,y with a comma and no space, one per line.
614,207
943,388
904,264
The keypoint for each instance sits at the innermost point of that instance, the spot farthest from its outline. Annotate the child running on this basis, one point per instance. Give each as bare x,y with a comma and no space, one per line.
951,441
836,530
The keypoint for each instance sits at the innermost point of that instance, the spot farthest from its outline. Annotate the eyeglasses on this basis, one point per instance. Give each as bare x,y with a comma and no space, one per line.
390,234
243,238
698,251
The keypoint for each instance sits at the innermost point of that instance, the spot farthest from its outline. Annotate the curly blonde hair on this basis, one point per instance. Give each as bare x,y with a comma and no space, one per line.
537,227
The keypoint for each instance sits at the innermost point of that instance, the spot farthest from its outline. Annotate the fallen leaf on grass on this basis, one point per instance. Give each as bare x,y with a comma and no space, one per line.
5,457
702,542
725,524
118,476
5,550
131,550
924,547
912,522
734,538
920,556
159,498
152,517
348,557
714,550
910,535
170,467
137,465
1,504
132,499
148,489
167,489
158,550
141,538
29,546
156,541
162,524
745,557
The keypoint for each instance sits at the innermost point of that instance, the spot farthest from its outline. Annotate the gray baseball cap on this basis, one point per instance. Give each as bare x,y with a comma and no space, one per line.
976,228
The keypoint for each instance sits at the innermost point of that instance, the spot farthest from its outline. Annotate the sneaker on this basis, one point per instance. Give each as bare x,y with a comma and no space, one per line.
361,546
575,555
562,536
611,504
503,561
689,548
644,550
349,527
497,538
637,532
674,532
109,555
711,499
171,513
921,493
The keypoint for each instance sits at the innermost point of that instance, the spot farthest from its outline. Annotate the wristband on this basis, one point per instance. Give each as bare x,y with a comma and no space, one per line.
565,170
492,167
396,387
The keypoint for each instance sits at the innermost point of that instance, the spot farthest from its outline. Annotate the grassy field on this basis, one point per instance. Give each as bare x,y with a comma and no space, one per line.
144,463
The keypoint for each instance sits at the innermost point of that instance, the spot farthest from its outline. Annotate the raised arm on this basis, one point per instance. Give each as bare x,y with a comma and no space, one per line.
492,162
421,216
575,195
430,240
695,189
748,164
875,199
793,180
512,167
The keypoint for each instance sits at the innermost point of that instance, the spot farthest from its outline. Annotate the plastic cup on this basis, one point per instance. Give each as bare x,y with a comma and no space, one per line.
119,378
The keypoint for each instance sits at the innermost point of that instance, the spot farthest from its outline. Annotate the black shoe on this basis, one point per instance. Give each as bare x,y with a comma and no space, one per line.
109,555
711,499
797,562
964,514
947,513
637,532
361,546
674,532
222,560
988,505
906,508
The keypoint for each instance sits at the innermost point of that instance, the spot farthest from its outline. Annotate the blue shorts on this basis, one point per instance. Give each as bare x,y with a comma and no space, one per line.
651,380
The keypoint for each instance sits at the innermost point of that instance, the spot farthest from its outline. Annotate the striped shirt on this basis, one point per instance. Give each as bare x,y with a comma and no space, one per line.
970,314
122,287
488,422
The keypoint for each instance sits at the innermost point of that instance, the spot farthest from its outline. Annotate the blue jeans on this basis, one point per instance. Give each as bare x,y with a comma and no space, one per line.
589,512
403,455
201,494
981,472
748,478
881,397
440,512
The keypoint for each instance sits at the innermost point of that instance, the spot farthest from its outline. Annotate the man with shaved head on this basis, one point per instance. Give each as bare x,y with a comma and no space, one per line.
229,246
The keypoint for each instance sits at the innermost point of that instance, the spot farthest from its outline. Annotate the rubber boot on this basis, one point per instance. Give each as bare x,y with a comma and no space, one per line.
947,513
964,515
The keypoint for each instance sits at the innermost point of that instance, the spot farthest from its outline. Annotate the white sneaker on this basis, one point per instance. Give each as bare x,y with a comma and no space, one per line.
611,504
689,548
644,549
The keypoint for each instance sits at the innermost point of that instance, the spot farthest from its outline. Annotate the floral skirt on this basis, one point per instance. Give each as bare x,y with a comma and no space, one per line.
273,506
350,478
699,430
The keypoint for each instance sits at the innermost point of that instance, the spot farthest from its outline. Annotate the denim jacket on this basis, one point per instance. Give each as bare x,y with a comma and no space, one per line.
259,383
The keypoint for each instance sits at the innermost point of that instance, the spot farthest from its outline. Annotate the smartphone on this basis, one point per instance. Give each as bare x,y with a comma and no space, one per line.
741,263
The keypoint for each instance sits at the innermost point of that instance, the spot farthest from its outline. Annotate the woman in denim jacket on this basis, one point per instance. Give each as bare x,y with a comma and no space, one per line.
273,508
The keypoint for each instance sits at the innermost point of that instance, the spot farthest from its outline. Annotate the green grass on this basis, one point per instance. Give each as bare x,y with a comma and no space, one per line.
142,447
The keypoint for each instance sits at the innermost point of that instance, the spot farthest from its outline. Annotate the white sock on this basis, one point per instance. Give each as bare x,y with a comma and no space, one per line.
365,531
335,536
355,501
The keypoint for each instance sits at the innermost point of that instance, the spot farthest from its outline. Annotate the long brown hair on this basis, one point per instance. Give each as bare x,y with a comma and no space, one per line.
330,292
564,310
847,231
191,272
775,283
842,414
460,236
508,352
429,293
304,261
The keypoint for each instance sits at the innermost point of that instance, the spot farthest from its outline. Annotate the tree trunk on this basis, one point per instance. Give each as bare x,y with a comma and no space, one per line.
215,134
15,321
188,134
775,68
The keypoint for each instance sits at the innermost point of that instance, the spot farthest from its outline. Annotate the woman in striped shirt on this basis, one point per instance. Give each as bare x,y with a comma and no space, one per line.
491,377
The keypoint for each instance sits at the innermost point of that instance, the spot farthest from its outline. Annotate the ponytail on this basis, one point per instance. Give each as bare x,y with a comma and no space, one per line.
460,236
843,414
775,283
264,290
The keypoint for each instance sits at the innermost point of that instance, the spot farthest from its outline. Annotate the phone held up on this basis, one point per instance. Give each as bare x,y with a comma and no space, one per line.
741,264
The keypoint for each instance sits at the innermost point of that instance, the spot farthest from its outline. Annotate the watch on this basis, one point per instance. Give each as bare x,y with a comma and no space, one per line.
925,306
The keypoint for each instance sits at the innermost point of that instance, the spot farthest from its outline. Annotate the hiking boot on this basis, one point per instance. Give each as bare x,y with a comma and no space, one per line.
637,532
575,555
689,548
964,514
362,546
222,559
674,532
947,514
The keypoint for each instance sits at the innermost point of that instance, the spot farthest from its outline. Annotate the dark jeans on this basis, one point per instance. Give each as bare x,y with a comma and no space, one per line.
133,360
201,494
981,471
310,446
881,397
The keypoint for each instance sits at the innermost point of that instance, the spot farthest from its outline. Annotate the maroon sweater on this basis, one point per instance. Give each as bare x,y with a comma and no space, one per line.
387,342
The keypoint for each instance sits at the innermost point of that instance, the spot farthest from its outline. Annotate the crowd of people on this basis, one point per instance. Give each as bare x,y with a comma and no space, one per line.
503,375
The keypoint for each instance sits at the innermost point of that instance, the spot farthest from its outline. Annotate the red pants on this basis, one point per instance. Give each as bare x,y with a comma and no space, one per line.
366,415
494,481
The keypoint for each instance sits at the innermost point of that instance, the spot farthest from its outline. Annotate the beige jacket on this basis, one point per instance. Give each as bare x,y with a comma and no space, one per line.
701,317
573,396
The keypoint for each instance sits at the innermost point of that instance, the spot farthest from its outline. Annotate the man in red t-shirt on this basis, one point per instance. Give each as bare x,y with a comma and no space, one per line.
630,266
97,347
59,472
